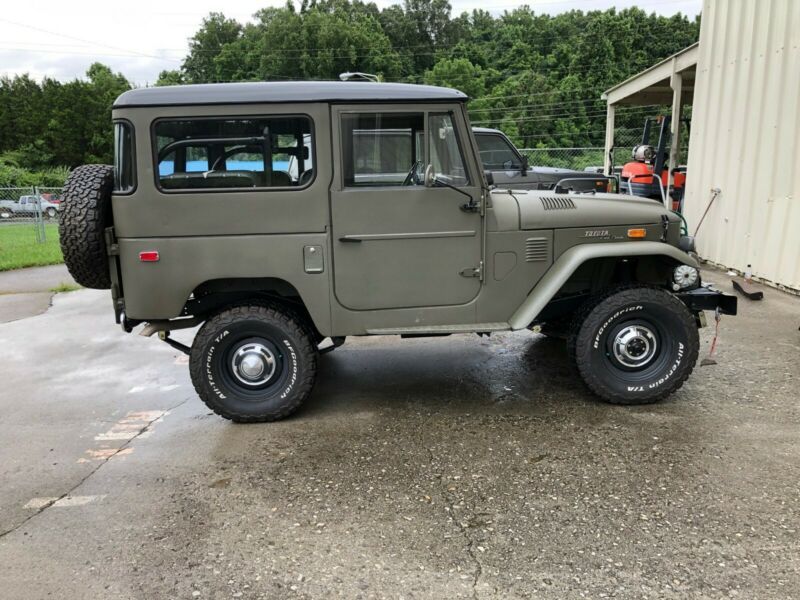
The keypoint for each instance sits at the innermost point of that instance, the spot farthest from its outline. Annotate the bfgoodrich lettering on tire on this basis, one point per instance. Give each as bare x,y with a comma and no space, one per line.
636,345
253,363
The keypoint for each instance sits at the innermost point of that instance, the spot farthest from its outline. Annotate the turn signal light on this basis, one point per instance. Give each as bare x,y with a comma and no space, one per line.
637,233
149,256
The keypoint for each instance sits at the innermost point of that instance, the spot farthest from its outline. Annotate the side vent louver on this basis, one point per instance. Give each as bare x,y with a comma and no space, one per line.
557,202
536,249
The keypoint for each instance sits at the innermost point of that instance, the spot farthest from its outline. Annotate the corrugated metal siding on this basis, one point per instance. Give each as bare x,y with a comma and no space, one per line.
745,138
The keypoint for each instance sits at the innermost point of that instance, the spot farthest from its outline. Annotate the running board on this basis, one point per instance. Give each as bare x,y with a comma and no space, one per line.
438,329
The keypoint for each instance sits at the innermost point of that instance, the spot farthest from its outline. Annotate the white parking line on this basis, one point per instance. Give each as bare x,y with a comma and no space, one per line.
64,502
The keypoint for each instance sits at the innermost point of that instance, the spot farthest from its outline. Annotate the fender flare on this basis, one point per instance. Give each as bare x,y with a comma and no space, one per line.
566,264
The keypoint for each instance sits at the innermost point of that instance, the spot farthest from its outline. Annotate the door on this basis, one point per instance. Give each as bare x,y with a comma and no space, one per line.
397,242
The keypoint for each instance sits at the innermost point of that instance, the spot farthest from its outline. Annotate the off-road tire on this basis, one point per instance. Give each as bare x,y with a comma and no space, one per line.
85,214
274,328
606,367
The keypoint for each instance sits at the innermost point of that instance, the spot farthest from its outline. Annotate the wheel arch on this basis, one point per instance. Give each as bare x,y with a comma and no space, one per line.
567,265
213,295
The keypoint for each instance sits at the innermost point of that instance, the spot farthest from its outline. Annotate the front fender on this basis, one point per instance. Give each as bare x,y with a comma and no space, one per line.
566,264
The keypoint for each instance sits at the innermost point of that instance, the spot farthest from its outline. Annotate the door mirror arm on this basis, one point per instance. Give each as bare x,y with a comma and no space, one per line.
432,181
523,170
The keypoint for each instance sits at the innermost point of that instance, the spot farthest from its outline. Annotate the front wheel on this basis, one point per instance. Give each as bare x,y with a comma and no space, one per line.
51,213
636,345
253,363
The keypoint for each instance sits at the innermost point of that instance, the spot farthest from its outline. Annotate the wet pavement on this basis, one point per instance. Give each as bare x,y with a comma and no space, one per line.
431,468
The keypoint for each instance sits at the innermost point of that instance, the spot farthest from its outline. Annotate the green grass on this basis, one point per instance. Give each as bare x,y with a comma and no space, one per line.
65,287
18,247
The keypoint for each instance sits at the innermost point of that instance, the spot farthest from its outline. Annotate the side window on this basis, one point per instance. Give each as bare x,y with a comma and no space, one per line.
383,149
497,153
124,175
445,151
249,152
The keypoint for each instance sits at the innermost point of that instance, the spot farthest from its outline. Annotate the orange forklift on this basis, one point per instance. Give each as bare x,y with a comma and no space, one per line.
638,177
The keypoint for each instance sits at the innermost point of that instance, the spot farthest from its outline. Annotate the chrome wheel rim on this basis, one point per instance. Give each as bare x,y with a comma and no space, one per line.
635,346
253,364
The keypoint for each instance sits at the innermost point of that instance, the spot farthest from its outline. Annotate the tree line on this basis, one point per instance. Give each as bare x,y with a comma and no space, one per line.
538,77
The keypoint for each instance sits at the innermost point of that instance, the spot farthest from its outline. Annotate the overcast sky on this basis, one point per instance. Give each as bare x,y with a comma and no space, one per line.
140,38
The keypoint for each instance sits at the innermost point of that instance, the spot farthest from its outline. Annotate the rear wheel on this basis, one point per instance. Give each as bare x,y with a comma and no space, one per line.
635,345
253,363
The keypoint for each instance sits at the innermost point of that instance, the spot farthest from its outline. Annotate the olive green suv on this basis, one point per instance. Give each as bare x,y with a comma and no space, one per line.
282,217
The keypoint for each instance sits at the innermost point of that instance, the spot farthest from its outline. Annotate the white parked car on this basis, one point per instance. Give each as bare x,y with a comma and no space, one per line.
26,206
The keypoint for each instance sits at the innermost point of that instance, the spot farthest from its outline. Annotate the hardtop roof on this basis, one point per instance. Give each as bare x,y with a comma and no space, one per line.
263,92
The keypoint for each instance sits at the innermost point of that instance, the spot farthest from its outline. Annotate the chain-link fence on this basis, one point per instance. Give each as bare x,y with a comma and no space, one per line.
585,158
577,159
36,208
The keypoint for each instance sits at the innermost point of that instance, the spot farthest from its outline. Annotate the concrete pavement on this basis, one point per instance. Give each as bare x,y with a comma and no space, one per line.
27,292
432,468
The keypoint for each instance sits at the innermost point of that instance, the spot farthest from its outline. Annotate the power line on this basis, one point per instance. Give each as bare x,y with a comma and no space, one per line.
579,133
77,39
570,116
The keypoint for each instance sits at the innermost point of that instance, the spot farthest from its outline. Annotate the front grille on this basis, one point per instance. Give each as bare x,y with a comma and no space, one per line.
537,249
557,203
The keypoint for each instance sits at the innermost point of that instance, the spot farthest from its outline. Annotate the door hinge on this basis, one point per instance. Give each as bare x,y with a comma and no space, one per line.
473,271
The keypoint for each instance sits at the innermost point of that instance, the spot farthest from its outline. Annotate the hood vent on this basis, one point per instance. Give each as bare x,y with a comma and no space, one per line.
557,202
537,249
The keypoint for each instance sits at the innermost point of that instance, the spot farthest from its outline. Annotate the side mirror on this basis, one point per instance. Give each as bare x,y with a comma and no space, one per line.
489,177
430,176
524,168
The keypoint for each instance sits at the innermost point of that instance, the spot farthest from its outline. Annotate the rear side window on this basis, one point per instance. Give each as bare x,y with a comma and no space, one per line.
124,174
249,152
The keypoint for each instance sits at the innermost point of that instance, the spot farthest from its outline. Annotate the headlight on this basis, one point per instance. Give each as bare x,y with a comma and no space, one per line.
685,276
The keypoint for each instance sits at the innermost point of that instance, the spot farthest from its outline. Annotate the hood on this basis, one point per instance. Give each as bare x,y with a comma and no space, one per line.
539,209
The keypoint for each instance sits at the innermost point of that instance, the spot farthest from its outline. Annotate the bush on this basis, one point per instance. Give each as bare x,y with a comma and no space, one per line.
13,175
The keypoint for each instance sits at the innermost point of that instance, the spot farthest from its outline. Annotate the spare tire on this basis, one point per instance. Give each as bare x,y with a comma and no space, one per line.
85,214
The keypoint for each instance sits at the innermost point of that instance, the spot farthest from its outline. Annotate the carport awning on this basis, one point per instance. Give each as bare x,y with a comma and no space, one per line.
653,86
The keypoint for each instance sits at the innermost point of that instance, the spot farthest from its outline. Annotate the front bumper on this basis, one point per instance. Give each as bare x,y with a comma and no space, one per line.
707,298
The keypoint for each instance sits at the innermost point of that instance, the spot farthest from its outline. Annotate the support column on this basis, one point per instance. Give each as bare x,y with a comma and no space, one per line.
607,166
676,83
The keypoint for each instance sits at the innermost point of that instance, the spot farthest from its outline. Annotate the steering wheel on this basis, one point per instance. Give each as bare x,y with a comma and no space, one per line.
412,174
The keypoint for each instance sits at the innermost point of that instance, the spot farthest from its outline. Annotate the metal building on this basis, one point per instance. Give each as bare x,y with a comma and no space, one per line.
744,147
